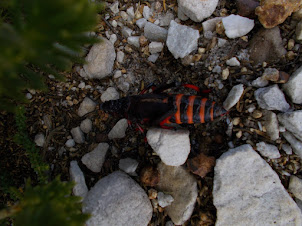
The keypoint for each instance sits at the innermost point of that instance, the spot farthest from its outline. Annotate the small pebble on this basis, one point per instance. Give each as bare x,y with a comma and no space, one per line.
70,143
257,114
225,74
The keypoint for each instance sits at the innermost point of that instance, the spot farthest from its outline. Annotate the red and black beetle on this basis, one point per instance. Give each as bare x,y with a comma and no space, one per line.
166,110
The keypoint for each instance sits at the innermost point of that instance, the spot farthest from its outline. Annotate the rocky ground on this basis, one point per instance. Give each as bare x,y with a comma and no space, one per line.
252,65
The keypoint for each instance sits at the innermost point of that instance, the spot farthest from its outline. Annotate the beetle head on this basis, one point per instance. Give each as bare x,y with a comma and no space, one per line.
117,106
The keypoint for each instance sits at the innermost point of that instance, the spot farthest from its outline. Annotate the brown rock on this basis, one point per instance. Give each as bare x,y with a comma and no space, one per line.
274,12
149,176
201,164
266,45
247,8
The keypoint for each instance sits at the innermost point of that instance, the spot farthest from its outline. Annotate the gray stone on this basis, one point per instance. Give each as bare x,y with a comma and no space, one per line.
155,47
141,23
94,160
248,192
287,149
292,121
110,94
268,150
119,130
78,135
271,98
134,40
153,57
130,12
165,19
128,165
76,175
182,186
120,56
233,97
295,187
234,62
236,26
210,25
40,139
155,33
260,82
197,10
293,87
173,147
100,60
164,200
126,31
70,143
86,106
114,7
271,125
295,144
86,125
117,200
181,40
146,12
181,15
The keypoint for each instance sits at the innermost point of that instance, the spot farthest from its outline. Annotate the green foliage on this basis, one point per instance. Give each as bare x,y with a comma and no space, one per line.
33,153
40,36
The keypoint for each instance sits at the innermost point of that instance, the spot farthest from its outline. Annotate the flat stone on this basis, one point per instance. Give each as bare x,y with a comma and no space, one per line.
155,47
248,192
117,200
268,150
155,33
100,60
86,106
293,87
110,94
181,40
294,143
40,139
237,26
197,10
86,125
292,121
76,175
182,186
272,126
233,97
128,165
271,98
119,130
78,135
94,160
173,147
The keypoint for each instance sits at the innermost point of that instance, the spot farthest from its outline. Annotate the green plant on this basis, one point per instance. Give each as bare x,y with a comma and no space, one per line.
38,38
49,204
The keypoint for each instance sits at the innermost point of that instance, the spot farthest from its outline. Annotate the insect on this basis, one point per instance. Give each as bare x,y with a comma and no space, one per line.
164,109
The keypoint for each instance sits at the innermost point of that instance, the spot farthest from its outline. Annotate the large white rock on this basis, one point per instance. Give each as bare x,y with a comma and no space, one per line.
293,86
182,186
292,121
271,98
100,60
76,175
233,97
119,130
86,106
248,192
181,40
173,147
236,26
197,10
117,200
94,160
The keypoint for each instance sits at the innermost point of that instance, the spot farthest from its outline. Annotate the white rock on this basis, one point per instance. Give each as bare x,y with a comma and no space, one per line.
173,147
76,175
233,62
236,26
295,187
268,150
40,139
197,10
124,15
141,23
28,96
86,125
117,200
70,143
126,31
155,47
100,59
260,82
295,144
130,12
134,40
182,186
119,130
181,40
81,85
287,149
248,192
210,25
146,12
94,160
293,87
128,165
86,106
271,98
120,56
292,121
110,94
114,7
154,32
271,125
164,200
153,57
78,135
221,42
117,74
233,96
114,23
165,19
113,38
